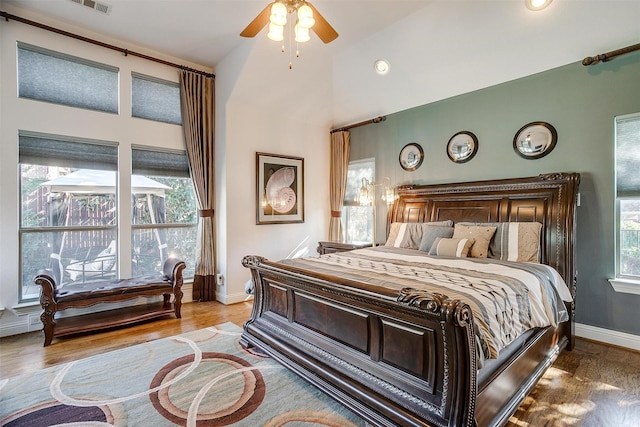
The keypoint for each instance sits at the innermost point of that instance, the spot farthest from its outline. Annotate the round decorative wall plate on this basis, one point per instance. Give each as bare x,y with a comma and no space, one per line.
411,156
462,147
535,140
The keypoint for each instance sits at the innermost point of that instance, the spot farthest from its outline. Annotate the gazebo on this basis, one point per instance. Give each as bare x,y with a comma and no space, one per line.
85,182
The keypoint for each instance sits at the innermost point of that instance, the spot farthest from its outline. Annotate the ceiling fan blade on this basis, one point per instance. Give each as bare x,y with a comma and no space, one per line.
258,23
324,31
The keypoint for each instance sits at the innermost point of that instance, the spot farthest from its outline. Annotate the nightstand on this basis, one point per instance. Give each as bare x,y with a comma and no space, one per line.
331,247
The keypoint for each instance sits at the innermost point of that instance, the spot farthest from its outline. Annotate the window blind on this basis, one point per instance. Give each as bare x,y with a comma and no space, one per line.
51,150
51,76
628,156
159,163
155,99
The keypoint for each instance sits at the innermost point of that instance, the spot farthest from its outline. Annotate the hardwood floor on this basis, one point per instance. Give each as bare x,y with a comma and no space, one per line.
25,353
595,385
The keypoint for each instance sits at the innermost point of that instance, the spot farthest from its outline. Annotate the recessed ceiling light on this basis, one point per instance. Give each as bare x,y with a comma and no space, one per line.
537,4
381,67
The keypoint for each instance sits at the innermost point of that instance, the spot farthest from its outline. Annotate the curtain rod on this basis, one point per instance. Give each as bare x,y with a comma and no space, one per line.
604,57
355,125
126,52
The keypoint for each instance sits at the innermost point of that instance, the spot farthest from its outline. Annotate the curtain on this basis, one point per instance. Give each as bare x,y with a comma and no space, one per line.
340,143
197,106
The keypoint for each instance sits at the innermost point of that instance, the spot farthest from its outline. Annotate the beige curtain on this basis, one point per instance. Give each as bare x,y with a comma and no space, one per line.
197,104
340,143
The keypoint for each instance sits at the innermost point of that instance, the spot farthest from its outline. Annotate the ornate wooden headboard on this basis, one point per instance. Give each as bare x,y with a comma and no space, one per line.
549,199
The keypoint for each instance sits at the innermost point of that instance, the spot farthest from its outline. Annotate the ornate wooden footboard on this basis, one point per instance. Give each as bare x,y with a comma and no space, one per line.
408,358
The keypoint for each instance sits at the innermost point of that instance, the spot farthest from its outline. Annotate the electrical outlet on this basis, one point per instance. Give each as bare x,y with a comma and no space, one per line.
219,279
578,199
34,320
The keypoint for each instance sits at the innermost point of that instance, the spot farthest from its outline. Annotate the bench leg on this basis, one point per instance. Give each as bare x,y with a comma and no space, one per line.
177,302
167,300
47,326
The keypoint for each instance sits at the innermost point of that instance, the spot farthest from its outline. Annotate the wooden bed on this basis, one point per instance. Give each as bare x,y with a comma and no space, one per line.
408,359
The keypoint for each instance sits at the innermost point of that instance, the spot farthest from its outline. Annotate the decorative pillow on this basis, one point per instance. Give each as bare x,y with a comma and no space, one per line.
481,234
431,232
409,234
514,241
451,247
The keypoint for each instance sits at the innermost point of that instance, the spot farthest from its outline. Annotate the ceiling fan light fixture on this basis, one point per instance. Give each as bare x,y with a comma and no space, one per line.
276,32
302,34
536,5
278,14
303,13
305,17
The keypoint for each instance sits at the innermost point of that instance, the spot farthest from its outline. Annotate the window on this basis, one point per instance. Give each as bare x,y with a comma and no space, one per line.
164,220
68,218
50,76
358,220
627,136
155,99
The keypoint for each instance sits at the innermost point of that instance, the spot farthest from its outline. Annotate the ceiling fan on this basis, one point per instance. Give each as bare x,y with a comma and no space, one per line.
308,17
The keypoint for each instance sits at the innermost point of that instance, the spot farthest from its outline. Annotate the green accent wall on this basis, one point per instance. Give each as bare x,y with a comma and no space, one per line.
581,103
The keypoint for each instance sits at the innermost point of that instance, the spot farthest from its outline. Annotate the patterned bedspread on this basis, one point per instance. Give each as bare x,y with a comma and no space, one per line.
506,298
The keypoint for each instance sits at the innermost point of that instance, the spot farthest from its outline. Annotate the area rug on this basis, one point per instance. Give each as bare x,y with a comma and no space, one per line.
200,378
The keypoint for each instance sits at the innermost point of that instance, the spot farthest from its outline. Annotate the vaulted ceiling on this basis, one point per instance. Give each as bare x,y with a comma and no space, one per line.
436,48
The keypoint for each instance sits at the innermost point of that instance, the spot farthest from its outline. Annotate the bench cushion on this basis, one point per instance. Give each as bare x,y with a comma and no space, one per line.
105,288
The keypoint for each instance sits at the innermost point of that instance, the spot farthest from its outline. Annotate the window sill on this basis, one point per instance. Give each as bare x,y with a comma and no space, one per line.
626,286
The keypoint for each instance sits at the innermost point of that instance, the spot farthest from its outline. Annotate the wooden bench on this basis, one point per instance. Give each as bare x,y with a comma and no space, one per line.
54,299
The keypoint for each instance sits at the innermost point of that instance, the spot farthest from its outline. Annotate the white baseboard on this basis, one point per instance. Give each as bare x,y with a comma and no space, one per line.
234,298
15,328
608,336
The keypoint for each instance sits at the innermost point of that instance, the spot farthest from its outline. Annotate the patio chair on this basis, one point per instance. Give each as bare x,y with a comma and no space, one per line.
102,266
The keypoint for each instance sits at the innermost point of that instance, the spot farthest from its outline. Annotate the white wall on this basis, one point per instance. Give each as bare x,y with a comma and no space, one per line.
264,107
23,114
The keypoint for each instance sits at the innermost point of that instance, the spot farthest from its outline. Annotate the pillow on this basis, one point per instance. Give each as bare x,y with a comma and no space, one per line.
514,241
409,234
480,233
431,232
451,247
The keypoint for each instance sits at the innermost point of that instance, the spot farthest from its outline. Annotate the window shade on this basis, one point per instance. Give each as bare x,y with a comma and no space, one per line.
52,150
159,163
155,99
628,156
63,79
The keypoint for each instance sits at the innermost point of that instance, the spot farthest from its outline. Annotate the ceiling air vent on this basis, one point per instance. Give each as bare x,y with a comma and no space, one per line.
95,5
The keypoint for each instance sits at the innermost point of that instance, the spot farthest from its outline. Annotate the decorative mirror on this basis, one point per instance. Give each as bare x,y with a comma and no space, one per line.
535,140
411,156
462,147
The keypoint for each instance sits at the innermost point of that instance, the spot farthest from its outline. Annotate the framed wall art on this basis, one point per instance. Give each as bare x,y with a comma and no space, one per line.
279,189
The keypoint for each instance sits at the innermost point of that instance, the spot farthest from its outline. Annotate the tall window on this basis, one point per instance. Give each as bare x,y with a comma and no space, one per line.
357,219
68,218
164,221
627,137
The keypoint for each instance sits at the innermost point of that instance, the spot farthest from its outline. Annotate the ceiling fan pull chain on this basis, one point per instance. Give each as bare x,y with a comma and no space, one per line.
290,37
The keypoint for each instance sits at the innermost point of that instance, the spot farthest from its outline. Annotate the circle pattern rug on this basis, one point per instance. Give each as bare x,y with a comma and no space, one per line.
201,378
